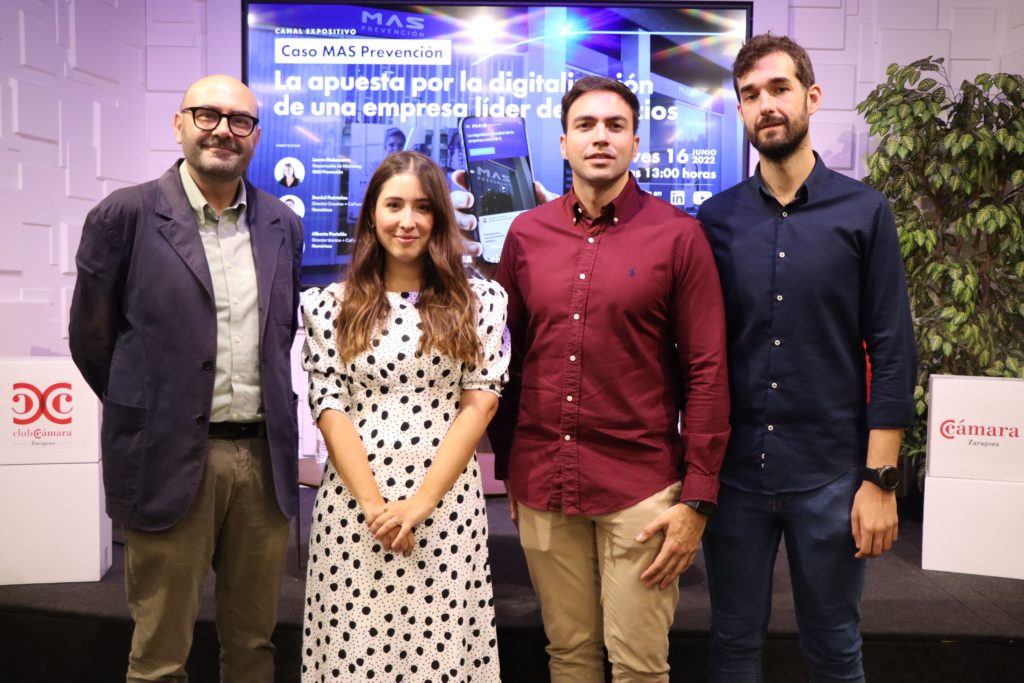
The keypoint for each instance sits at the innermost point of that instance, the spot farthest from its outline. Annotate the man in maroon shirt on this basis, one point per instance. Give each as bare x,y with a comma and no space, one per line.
618,330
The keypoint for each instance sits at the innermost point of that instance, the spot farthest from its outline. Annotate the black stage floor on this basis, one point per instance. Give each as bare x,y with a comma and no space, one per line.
918,625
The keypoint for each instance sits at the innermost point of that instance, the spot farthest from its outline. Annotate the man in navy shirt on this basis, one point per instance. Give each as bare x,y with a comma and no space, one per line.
811,275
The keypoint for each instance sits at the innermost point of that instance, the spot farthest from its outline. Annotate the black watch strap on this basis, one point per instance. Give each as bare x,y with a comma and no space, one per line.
885,477
702,506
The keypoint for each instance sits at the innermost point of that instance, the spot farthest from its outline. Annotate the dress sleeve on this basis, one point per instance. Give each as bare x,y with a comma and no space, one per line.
328,388
494,338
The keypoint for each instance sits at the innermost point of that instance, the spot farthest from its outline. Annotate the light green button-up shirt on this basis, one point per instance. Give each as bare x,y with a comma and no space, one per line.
236,386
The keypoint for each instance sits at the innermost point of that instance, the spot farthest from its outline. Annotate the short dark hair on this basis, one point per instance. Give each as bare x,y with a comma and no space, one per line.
592,83
765,44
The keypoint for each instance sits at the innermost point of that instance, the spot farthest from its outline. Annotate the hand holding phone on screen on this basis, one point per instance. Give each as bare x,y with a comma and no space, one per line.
499,176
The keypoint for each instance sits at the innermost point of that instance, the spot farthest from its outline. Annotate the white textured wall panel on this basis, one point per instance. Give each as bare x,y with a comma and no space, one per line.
92,35
907,14
121,133
961,70
10,237
838,84
835,143
38,44
818,28
80,171
44,210
176,11
902,47
974,32
172,68
36,111
70,235
160,123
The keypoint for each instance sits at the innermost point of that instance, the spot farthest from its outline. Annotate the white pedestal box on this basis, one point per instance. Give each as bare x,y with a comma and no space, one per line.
53,528
974,488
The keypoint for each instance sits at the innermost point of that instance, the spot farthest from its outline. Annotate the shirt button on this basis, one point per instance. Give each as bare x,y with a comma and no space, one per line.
775,385
778,342
201,420
778,297
207,365
572,359
583,276
785,214
568,438
771,428
575,316
569,397
615,220
782,254
763,456
590,239
238,340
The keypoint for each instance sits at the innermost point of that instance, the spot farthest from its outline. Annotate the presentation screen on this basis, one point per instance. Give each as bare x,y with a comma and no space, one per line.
478,89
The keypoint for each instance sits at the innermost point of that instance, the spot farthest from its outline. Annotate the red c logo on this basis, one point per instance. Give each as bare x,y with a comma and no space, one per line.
30,404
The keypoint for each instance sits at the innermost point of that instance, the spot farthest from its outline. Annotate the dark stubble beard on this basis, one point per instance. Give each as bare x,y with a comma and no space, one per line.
217,171
780,149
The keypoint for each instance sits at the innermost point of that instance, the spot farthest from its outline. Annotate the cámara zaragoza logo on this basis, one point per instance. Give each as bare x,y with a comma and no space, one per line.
31,404
950,429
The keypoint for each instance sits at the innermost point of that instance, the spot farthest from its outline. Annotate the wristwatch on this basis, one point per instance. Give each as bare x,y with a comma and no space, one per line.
702,506
885,477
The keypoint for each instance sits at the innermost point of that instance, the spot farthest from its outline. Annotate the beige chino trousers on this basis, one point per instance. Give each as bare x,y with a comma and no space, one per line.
234,526
586,572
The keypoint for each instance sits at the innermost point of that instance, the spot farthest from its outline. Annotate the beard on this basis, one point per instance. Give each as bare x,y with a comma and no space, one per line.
784,142
210,165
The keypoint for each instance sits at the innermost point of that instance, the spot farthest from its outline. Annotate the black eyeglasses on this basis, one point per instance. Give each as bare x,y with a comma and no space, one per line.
208,119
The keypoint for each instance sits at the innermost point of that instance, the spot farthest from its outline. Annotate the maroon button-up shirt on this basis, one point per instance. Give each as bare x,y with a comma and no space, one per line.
617,327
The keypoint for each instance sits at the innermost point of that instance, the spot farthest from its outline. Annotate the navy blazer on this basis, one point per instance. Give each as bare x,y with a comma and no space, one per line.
143,331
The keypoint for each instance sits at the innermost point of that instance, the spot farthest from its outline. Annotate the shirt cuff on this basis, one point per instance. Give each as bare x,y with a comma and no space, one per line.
890,414
700,487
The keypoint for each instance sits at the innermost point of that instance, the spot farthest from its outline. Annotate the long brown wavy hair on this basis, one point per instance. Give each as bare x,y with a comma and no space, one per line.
447,304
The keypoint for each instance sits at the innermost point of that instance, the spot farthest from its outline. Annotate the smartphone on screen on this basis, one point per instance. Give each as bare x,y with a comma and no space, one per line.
499,175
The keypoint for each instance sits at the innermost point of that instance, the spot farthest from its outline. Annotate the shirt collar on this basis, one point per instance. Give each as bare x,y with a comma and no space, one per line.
198,202
620,209
802,195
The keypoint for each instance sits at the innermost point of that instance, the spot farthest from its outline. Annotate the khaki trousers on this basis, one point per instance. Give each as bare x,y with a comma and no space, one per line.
586,572
234,526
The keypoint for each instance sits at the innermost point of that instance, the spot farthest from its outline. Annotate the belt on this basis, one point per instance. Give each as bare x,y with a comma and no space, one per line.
237,430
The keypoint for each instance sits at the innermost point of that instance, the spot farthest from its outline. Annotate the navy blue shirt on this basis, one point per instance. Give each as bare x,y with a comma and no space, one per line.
806,286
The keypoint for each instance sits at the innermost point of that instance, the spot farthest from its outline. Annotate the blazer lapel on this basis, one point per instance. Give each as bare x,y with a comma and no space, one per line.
180,228
266,239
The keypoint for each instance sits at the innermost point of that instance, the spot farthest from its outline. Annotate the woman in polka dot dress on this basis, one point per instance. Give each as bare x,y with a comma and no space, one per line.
406,359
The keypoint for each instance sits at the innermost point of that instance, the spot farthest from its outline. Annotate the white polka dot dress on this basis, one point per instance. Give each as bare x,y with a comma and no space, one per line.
372,615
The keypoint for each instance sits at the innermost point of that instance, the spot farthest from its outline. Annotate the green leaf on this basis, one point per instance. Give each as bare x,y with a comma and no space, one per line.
927,84
892,144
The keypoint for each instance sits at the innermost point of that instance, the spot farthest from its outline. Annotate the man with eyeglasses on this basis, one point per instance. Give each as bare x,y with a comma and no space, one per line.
182,322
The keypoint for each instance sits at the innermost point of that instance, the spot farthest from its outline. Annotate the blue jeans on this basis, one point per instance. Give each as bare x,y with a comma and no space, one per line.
740,544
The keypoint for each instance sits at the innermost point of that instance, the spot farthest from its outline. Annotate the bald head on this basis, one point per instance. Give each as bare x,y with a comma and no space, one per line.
223,88
217,156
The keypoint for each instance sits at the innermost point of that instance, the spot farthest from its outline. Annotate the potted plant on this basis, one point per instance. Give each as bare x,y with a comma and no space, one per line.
951,161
